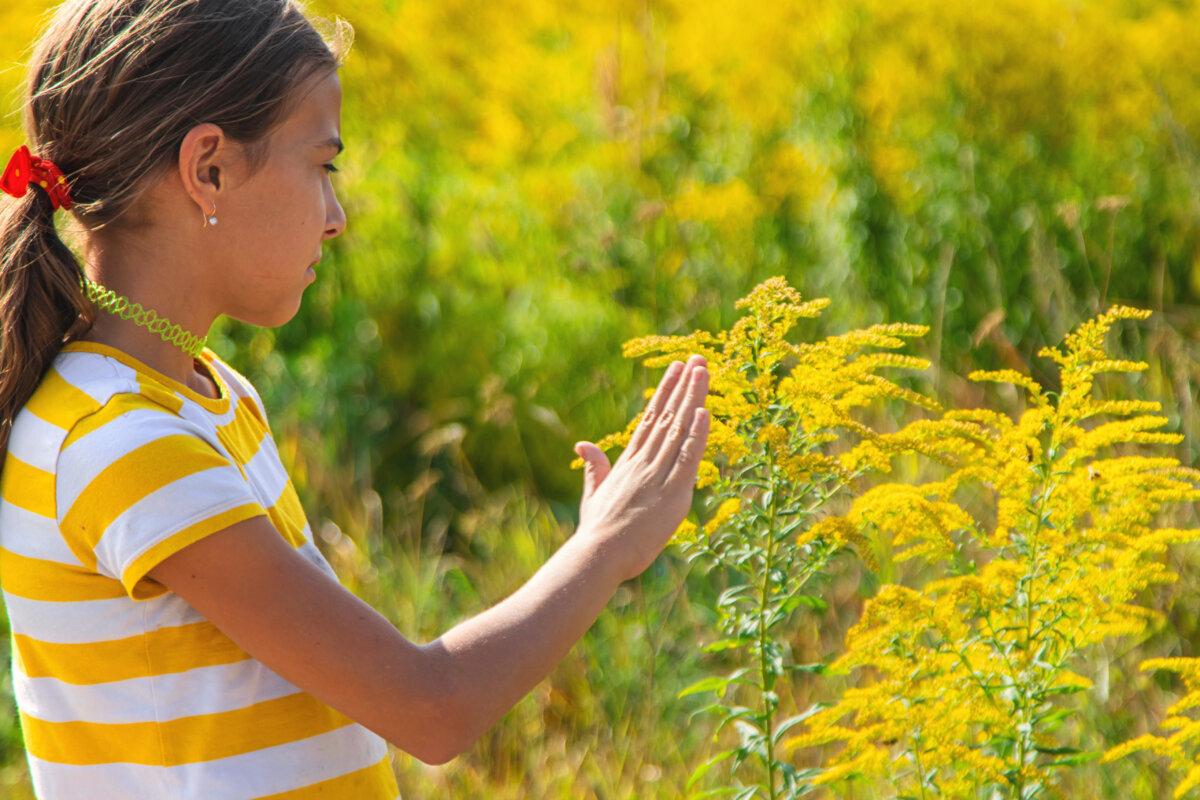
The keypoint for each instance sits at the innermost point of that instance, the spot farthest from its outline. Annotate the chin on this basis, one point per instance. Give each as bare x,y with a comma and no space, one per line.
268,319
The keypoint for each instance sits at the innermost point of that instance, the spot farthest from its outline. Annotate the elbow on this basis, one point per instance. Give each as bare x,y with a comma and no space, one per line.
441,739
446,739
436,757
450,732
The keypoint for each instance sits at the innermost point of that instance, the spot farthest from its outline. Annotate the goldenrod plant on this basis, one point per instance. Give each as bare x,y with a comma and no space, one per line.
783,442
1040,537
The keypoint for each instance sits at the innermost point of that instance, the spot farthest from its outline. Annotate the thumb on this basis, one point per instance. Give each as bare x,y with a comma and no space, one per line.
595,466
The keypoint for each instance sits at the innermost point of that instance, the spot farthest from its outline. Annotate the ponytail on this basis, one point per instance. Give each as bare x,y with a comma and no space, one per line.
42,304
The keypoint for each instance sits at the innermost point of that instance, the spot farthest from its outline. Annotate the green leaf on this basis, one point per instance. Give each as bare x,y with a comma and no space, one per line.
740,714
791,722
813,602
812,669
727,644
714,683
1056,751
731,594
700,771
705,709
1051,719
791,527
1076,759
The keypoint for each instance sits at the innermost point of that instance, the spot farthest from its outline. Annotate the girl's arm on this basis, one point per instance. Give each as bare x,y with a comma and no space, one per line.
492,660
434,700
629,511
288,613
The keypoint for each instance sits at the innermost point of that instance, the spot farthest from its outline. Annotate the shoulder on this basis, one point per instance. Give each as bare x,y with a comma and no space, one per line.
74,386
107,414
131,470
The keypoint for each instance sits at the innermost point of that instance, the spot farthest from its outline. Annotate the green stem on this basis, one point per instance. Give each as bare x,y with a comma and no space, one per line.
920,769
1025,732
762,631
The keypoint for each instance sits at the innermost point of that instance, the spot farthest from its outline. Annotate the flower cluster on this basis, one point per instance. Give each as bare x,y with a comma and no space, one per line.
783,442
969,670
794,400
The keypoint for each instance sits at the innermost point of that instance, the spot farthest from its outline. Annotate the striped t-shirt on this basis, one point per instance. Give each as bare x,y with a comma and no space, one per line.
124,690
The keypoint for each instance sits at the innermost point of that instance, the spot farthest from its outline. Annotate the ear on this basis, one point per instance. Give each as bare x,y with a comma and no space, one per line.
205,162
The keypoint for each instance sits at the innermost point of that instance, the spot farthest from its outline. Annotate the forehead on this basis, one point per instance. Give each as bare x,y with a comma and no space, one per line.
317,113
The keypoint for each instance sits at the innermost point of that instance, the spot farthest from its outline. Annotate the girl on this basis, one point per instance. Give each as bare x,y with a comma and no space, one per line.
175,631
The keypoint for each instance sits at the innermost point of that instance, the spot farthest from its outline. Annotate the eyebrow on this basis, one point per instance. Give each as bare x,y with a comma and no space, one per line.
334,142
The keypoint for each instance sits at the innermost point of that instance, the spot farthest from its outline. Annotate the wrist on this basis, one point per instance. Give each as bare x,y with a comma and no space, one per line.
601,548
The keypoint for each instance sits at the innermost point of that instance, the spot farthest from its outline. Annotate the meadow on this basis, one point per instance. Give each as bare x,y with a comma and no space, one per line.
532,185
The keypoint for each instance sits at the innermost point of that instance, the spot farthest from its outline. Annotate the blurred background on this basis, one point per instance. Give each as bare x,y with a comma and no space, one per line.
530,184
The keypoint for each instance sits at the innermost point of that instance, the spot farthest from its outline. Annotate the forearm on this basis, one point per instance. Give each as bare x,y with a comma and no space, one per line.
493,659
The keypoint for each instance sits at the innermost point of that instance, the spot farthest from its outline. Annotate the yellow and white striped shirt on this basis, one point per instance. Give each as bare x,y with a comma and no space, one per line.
124,690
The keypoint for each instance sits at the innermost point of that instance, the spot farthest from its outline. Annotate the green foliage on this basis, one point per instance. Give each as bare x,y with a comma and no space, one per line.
529,185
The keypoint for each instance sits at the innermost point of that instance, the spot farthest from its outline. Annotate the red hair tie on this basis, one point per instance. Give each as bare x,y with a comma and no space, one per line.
25,168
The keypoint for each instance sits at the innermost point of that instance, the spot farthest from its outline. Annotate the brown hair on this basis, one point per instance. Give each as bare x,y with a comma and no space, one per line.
113,87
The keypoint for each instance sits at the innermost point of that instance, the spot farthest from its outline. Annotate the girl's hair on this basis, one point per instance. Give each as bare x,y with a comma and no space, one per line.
113,87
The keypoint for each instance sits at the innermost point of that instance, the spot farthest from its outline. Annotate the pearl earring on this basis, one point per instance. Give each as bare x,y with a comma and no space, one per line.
210,220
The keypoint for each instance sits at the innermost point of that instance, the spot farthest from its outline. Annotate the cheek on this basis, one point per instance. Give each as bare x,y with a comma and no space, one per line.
280,228
291,199
288,217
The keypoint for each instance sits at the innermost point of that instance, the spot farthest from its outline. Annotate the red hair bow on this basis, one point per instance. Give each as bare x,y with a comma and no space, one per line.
25,168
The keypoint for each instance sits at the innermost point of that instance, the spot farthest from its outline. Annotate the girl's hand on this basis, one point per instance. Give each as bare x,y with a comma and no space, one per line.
632,507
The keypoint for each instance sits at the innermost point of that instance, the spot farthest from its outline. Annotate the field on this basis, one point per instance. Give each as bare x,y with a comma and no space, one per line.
530,185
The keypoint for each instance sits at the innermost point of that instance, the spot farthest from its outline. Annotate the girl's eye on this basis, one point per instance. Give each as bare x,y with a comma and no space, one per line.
330,168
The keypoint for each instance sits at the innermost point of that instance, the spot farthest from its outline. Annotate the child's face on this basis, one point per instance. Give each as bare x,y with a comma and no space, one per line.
271,227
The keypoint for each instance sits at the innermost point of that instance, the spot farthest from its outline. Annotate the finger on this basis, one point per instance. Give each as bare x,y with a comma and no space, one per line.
687,465
596,467
693,399
660,427
653,407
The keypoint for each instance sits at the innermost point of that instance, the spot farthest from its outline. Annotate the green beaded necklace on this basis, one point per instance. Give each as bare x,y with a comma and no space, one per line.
149,319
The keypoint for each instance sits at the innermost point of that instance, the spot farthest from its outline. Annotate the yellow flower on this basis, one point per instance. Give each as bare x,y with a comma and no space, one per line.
686,533
723,514
708,473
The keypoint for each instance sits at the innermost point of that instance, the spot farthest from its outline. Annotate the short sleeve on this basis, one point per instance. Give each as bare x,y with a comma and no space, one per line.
135,483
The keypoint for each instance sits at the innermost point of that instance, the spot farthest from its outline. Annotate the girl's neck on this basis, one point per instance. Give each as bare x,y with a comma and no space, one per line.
173,294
